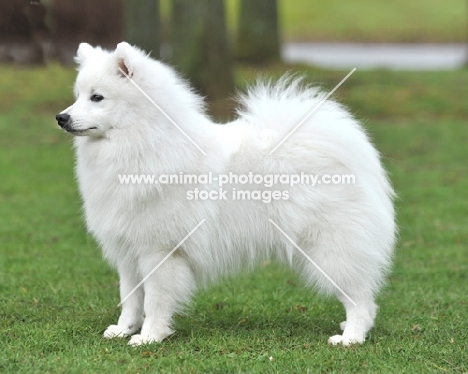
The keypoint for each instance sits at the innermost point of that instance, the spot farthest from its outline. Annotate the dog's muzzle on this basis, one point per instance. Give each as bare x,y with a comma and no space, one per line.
62,119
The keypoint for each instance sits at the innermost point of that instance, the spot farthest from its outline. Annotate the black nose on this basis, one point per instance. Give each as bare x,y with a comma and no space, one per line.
62,119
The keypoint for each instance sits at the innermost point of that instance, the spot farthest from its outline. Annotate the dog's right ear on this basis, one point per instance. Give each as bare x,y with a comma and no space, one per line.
125,63
84,50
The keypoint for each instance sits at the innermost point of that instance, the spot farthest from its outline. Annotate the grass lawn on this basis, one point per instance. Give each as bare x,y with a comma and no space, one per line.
57,295
370,20
397,21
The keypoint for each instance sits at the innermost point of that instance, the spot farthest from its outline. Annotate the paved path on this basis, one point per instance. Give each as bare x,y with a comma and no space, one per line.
371,56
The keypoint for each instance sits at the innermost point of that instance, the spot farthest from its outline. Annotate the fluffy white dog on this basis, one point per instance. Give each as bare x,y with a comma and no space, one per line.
135,116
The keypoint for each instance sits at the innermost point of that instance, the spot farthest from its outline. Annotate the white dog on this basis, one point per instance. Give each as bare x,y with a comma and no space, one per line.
135,116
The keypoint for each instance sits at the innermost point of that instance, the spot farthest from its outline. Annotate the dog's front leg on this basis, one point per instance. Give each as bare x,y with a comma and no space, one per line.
131,318
165,291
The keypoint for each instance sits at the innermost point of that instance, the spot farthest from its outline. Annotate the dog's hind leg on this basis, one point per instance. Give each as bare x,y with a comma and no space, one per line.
131,318
352,277
359,320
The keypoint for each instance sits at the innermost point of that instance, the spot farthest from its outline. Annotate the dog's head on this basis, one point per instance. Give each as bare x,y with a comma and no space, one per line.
106,90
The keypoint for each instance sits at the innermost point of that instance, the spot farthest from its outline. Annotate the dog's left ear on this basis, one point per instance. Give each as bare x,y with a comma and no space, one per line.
125,66
84,50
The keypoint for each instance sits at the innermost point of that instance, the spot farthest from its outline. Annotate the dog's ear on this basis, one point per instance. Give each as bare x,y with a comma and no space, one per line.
125,66
84,50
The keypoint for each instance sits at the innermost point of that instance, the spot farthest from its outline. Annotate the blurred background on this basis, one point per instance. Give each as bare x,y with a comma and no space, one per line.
207,39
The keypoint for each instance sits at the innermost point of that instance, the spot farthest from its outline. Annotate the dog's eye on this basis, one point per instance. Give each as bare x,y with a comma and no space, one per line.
96,98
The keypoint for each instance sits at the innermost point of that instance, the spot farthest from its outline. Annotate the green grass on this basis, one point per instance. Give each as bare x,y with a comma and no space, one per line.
370,20
57,295
397,21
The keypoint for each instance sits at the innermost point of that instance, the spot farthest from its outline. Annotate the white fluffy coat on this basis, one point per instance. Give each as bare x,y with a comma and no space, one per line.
347,230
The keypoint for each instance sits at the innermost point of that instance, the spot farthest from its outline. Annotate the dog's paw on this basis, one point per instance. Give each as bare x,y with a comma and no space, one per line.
156,336
342,339
115,331
139,339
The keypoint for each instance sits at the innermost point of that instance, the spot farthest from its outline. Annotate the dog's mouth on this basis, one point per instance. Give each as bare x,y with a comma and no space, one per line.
78,131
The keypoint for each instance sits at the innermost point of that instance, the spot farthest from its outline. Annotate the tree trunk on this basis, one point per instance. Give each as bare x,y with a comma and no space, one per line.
199,46
95,22
258,35
21,32
142,25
